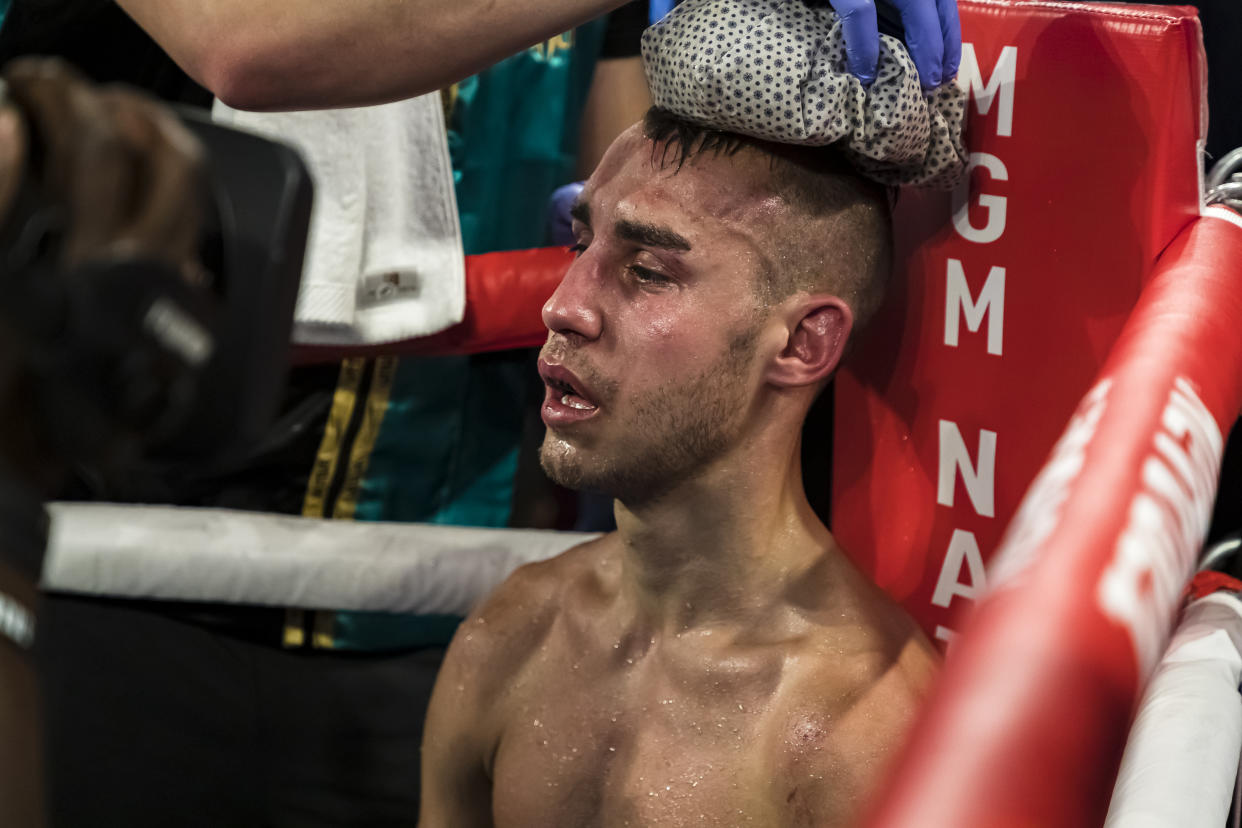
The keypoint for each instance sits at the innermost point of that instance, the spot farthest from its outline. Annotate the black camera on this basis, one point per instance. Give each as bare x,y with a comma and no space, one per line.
190,373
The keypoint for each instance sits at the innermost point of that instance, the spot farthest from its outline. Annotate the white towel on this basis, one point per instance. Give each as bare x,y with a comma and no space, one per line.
384,260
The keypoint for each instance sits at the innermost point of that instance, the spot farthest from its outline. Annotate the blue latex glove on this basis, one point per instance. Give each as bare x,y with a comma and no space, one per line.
656,9
560,225
933,37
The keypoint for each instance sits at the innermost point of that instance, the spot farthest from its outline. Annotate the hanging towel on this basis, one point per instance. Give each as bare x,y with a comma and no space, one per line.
384,260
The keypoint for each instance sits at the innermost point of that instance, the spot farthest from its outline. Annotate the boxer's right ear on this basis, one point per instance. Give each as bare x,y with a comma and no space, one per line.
818,326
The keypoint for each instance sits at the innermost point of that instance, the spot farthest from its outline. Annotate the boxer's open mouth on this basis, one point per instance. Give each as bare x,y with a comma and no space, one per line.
569,399
570,395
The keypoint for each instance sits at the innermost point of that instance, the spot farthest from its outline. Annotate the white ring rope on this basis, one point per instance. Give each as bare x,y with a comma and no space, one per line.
1182,756
220,555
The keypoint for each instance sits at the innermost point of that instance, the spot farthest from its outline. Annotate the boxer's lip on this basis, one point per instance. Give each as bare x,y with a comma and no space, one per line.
568,399
560,378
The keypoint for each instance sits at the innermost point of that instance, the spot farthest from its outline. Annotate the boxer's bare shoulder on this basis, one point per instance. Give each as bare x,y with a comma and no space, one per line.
493,645
489,654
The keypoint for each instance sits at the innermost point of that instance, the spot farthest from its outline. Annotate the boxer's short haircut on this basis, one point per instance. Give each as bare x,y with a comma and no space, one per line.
844,246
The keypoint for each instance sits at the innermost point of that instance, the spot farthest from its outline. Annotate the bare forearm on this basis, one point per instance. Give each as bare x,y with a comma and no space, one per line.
619,96
301,54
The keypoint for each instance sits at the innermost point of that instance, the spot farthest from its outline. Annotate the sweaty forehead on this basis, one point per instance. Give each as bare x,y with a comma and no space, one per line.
707,195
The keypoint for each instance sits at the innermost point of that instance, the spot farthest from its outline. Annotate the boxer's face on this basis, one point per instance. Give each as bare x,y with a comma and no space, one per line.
650,363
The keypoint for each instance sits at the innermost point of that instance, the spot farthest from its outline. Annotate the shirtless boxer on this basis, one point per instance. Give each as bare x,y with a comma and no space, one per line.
717,660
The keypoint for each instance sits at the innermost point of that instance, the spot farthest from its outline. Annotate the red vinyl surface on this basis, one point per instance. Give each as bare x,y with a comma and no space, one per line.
1027,724
1009,299
1099,174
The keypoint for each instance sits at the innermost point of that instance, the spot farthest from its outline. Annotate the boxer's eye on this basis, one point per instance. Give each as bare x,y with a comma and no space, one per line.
646,276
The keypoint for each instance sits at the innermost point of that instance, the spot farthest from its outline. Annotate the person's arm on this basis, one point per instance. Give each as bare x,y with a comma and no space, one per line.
306,54
619,94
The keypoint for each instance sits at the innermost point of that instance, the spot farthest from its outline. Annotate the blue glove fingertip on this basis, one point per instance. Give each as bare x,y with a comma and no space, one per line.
926,61
951,31
862,65
952,57
924,38
862,37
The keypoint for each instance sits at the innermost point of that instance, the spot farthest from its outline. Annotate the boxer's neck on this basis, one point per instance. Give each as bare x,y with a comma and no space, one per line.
724,547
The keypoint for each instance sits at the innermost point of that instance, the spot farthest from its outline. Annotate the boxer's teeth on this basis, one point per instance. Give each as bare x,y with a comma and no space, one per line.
574,401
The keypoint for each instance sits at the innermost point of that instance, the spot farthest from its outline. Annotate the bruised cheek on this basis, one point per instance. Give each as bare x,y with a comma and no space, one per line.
653,318
670,330
661,328
672,344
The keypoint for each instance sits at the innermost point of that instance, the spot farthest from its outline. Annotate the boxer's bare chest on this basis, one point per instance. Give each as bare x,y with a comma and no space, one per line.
639,736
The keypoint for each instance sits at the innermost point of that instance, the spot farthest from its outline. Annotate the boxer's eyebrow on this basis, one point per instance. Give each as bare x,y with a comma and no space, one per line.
581,211
651,235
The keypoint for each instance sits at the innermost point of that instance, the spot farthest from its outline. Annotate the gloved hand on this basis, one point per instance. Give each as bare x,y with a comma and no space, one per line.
933,37
560,225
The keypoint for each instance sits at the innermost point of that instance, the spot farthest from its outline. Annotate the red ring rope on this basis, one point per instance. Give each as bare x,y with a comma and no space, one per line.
1027,724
